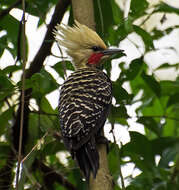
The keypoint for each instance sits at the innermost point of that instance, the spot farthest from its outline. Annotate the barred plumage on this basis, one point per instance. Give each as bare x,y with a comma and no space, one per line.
84,103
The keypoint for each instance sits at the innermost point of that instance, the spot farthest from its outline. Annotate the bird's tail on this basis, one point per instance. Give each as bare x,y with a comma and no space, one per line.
87,158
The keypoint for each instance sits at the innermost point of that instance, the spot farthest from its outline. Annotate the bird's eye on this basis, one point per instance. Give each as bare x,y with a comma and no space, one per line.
95,48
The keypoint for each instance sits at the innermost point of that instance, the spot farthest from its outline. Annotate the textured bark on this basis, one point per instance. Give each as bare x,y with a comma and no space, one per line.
103,179
83,12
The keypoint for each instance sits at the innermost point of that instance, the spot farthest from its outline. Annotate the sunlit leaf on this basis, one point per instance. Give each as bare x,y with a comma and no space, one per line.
152,84
6,86
146,37
135,68
138,8
163,7
167,65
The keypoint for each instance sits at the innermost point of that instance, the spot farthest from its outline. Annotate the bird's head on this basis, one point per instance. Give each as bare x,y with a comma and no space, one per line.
83,45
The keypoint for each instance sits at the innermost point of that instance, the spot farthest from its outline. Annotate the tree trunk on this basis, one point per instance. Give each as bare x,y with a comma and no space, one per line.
83,12
103,179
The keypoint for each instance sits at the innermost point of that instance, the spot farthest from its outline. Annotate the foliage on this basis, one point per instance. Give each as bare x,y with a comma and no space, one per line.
158,111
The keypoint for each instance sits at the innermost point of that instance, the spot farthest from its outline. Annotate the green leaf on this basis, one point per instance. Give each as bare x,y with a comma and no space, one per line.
45,106
3,44
161,144
151,124
167,65
103,20
6,87
118,115
28,84
168,155
53,147
33,129
153,108
152,84
116,187
128,25
163,7
11,25
156,34
117,12
120,94
46,123
169,88
169,128
61,66
138,8
11,69
146,37
5,119
173,99
120,32
139,145
135,68
43,83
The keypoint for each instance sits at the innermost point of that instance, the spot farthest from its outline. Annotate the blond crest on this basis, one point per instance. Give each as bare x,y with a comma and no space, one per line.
78,41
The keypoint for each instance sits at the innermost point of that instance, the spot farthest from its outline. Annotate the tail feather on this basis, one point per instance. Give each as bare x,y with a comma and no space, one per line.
87,158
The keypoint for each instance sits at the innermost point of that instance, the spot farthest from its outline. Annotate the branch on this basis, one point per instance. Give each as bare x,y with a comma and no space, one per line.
22,94
51,176
6,11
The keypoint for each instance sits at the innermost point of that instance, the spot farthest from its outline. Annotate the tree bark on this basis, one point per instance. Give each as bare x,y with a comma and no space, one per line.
103,179
83,12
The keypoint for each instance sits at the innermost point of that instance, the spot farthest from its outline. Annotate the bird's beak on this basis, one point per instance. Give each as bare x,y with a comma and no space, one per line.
109,52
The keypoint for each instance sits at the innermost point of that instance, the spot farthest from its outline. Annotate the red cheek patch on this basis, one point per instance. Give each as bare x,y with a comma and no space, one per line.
95,58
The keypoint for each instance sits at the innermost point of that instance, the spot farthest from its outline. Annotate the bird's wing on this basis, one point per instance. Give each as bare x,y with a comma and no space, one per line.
83,108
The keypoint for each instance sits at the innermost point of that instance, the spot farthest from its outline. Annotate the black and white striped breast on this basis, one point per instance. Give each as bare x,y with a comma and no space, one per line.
84,102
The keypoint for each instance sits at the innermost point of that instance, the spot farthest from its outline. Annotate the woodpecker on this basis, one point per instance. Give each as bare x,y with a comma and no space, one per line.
85,96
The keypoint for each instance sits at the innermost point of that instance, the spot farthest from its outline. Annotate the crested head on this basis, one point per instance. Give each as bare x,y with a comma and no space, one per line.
82,44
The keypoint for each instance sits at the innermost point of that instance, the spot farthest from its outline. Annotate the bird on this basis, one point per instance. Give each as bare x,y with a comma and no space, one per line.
85,96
